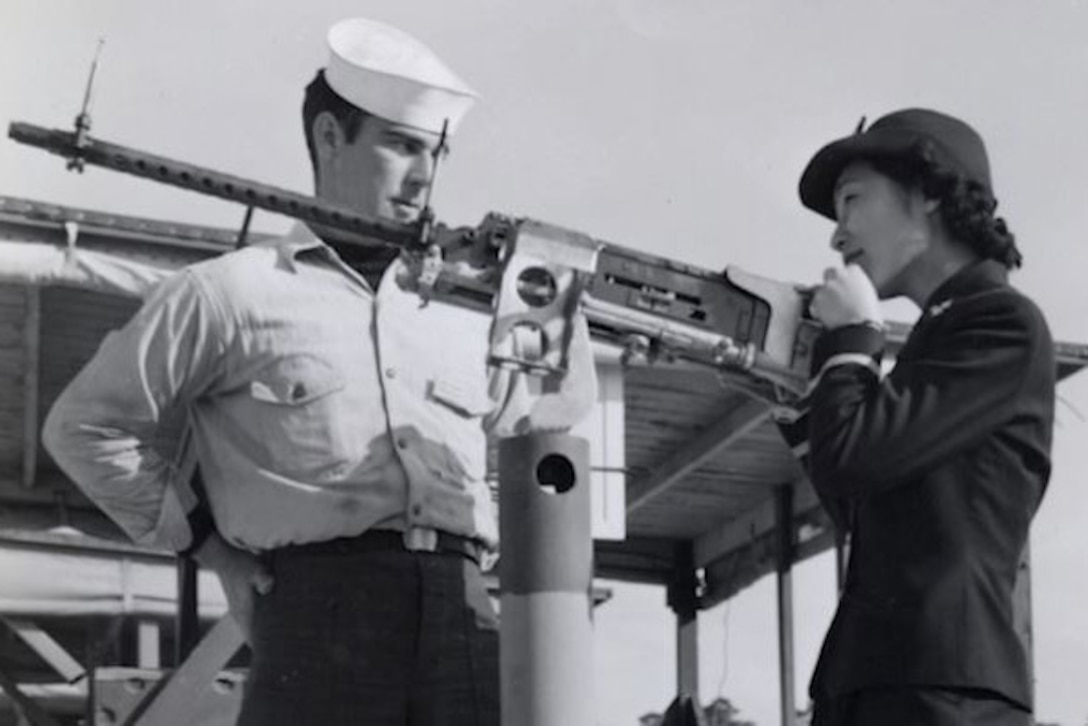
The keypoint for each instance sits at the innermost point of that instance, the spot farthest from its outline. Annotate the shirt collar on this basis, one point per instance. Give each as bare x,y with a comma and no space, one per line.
300,238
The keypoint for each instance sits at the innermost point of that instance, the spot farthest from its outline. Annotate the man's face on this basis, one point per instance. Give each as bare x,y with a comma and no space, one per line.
383,173
882,226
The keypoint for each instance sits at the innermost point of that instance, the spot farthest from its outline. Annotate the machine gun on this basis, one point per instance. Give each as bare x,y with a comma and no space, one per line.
531,275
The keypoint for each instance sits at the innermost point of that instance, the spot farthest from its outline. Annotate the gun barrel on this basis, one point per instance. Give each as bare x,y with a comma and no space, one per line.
353,226
702,316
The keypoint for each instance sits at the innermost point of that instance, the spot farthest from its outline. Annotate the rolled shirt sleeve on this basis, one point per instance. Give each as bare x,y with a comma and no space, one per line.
117,429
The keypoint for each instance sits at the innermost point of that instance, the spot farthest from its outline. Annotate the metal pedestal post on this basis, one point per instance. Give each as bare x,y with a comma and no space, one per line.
546,576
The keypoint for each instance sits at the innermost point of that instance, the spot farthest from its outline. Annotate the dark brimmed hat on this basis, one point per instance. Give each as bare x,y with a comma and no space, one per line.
957,146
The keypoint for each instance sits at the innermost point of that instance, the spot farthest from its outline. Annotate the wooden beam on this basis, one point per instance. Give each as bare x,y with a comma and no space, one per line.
47,481
35,713
30,517
169,704
725,432
741,530
31,377
644,560
48,649
731,573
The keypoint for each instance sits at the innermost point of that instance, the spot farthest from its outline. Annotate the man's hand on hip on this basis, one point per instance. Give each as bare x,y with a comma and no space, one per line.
241,574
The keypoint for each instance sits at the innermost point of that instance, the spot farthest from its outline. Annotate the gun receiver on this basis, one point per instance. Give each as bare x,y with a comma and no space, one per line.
653,307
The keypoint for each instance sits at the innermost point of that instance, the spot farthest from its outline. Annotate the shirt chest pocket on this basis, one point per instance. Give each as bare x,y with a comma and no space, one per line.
296,418
296,380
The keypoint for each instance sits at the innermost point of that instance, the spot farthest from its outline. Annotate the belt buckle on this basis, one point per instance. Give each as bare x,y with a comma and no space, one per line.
421,539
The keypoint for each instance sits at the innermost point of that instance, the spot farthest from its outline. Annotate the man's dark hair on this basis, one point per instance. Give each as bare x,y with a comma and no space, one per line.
967,206
320,97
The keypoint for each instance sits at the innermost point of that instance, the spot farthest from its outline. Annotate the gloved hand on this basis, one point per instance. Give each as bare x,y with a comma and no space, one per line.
847,297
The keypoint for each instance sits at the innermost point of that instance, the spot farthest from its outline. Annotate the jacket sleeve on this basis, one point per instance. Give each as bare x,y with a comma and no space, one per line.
114,430
868,435
794,431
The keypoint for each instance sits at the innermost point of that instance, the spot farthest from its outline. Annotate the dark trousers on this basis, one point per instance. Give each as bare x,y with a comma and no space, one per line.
920,707
381,637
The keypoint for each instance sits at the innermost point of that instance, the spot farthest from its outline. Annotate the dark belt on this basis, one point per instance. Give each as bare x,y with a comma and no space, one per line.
383,540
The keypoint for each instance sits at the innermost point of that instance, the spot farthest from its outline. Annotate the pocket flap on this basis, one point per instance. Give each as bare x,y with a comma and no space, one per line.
465,397
295,380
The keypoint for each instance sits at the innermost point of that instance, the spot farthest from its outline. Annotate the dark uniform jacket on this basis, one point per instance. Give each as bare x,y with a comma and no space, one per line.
937,470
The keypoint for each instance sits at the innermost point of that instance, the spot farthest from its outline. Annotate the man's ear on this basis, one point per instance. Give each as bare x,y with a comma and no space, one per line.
328,136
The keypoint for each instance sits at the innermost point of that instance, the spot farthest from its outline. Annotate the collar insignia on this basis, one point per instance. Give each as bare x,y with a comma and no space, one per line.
939,308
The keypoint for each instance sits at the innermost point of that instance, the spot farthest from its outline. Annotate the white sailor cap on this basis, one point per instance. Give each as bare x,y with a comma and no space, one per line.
390,74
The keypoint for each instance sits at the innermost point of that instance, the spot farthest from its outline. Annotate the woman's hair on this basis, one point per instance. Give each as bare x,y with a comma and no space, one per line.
966,206
320,97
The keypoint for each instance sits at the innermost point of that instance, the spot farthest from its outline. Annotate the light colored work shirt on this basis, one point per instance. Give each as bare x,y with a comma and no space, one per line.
315,407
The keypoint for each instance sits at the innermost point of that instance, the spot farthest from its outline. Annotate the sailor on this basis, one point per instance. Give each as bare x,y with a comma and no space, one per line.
336,424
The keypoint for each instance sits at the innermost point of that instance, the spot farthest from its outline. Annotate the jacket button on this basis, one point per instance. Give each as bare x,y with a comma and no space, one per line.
390,372
402,443
417,509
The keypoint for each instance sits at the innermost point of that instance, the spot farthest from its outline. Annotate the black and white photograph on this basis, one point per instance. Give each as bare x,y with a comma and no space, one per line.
571,363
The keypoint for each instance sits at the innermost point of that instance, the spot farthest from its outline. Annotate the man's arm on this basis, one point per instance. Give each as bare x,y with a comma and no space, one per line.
105,433
106,427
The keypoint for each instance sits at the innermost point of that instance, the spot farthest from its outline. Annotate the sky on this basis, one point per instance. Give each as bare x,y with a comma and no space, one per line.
677,127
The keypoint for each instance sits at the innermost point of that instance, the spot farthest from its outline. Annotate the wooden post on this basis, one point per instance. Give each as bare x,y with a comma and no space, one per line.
31,376
683,600
147,645
187,625
784,566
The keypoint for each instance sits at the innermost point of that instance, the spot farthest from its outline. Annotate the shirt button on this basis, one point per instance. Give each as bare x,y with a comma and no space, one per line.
390,372
417,509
